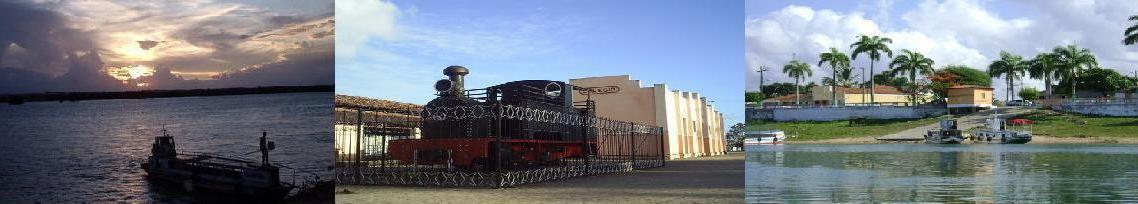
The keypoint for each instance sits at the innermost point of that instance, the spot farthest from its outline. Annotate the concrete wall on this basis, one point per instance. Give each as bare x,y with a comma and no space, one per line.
844,113
1105,109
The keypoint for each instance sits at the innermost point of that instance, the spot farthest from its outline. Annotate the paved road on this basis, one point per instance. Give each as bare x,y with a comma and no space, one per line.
964,122
717,179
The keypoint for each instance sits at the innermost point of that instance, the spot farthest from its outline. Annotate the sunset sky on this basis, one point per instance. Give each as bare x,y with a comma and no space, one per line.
44,45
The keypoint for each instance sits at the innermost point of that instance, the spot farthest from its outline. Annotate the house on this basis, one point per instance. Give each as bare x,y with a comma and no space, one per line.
969,98
848,96
787,100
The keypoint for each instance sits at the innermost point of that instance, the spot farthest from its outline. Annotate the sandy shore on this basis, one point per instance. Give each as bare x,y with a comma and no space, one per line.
1034,140
717,179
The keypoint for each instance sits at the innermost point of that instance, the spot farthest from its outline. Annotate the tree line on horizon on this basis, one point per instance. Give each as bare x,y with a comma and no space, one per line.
1073,67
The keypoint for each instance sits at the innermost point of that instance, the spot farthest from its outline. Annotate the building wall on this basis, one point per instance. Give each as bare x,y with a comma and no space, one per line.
691,126
1127,108
822,93
844,113
969,97
631,103
896,99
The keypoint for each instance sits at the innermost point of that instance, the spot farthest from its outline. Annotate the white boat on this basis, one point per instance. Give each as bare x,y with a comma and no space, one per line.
998,131
764,137
947,134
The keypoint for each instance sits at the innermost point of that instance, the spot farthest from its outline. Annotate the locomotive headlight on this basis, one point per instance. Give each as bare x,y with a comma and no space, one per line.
444,85
553,90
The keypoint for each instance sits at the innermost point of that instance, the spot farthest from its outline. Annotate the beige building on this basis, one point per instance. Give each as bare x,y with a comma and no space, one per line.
788,100
692,126
963,99
846,96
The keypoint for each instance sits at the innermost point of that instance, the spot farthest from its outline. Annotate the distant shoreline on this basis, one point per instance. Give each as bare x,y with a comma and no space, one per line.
1035,140
16,99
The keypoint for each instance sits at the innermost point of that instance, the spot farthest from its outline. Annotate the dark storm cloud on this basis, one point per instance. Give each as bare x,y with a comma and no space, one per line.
41,32
311,68
49,47
147,44
73,45
226,42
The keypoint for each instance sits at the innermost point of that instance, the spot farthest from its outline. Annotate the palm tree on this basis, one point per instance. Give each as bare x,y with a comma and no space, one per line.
838,62
1044,66
912,63
874,46
1131,34
799,71
1011,66
1072,60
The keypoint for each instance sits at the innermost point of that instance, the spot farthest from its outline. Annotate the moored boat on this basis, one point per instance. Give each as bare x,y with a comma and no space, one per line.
1017,131
947,134
764,137
216,174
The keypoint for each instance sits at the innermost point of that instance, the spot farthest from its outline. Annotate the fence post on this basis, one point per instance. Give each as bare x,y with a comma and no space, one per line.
498,144
359,139
632,143
585,140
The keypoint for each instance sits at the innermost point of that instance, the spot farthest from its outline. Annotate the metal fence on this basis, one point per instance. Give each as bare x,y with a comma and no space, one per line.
387,147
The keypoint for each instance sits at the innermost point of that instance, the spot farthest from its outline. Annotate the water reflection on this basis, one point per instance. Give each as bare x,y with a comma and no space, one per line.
952,173
90,151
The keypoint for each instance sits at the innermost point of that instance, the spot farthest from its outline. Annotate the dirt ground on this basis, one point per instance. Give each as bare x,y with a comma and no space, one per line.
717,179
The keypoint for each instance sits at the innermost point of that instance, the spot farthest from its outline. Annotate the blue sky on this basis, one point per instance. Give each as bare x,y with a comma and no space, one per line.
396,50
965,32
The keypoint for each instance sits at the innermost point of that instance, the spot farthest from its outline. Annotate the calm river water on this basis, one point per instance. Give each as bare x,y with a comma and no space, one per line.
942,173
90,151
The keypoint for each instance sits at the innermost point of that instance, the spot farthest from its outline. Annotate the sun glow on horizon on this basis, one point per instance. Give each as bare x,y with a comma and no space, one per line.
130,72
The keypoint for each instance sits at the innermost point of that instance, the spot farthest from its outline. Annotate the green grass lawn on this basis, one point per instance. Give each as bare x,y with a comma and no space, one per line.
1057,124
810,130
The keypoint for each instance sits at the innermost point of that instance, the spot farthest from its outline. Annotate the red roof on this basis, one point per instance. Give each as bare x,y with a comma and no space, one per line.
788,98
877,89
969,86
1020,121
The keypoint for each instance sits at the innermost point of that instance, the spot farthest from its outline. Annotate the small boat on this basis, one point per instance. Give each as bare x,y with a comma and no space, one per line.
997,131
209,173
947,134
764,137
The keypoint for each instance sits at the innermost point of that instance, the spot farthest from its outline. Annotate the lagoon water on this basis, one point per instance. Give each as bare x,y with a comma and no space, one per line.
91,151
942,173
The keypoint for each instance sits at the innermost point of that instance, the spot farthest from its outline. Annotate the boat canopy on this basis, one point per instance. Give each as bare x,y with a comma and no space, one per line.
1020,121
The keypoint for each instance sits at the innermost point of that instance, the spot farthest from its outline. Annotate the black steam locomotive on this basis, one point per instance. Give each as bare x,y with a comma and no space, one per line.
519,123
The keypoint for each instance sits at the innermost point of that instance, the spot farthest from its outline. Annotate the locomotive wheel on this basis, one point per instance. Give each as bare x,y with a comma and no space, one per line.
479,164
504,154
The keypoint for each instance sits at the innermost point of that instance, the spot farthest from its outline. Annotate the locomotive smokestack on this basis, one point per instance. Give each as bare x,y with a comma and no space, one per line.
456,74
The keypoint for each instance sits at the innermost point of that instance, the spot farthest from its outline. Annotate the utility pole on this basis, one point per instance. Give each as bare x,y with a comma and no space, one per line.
863,83
761,70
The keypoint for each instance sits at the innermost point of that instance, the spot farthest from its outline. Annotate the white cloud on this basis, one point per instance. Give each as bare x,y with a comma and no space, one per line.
964,32
402,60
361,20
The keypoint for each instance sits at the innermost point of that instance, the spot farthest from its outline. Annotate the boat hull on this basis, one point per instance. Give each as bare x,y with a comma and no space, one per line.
944,137
197,179
1000,137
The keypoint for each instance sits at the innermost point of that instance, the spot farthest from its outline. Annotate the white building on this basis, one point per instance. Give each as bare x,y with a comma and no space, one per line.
693,127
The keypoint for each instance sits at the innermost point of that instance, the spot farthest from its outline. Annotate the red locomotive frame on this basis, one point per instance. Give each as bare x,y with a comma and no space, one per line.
475,153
